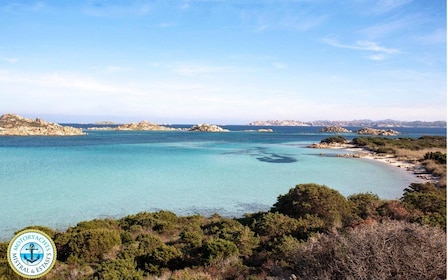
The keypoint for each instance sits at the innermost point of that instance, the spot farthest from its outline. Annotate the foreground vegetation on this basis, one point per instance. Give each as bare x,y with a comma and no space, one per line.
311,232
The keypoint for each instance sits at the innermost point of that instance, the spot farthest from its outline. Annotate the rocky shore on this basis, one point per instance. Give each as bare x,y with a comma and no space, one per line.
15,125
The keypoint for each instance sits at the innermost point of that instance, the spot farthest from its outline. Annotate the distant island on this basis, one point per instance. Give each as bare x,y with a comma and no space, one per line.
146,125
15,125
353,123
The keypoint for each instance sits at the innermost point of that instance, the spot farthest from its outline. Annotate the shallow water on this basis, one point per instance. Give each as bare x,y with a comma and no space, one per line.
59,181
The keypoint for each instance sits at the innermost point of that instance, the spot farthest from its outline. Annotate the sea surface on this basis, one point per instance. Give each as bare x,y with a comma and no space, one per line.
60,181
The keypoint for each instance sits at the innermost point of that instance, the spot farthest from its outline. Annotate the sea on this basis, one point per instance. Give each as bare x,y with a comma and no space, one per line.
59,181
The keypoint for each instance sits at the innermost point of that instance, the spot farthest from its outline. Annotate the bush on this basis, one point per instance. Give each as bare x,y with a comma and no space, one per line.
436,156
219,249
427,202
119,269
161,221
161,257
365,205
276,225
391,250
87,245
334,139
235,232
308,200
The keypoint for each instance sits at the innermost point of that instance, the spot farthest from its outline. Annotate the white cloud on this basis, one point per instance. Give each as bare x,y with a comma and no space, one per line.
380,51
378,57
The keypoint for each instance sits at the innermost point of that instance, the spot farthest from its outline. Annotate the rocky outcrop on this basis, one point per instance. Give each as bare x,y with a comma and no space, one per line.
265,130
324,145
143,125
380,132
15,125
334,129
207,128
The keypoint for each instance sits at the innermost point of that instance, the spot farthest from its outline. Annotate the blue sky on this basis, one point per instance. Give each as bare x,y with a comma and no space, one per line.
225,62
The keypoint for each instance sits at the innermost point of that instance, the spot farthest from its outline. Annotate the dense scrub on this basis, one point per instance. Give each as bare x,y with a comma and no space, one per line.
391,145
311,232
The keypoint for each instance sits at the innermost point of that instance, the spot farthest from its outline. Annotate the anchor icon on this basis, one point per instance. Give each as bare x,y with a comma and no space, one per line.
32,249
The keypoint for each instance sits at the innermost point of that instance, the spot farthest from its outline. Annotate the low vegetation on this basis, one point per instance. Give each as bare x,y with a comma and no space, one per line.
430,151
311,232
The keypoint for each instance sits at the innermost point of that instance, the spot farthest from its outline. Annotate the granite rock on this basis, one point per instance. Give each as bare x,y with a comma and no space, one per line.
15,125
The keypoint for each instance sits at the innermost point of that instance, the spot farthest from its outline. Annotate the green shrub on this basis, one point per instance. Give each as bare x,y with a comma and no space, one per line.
436,156
219,248
276,225
314,200
97,223
164,256
118,269
365,205
334,139
234,231
87,245
147,243
427,200
161,221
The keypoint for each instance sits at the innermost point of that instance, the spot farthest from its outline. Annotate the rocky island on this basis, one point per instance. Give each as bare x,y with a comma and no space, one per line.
207,128
143,125
334,129
15,125
380,132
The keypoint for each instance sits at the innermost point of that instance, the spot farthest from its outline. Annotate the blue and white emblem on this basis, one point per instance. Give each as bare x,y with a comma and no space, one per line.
31,253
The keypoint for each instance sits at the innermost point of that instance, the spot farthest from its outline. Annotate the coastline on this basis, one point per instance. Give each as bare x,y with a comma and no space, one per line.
416,168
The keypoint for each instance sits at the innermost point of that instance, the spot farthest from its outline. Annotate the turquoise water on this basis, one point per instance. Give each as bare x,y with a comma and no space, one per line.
59,181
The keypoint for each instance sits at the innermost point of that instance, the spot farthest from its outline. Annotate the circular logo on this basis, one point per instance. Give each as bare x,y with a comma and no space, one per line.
31,253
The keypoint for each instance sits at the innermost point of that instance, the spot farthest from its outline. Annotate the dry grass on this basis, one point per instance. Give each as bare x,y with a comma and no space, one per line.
416,154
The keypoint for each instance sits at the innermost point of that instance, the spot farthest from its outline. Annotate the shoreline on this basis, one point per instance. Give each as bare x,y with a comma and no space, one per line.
416,168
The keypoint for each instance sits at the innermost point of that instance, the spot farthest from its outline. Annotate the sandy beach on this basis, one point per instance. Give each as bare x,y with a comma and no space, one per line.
352,151
413,166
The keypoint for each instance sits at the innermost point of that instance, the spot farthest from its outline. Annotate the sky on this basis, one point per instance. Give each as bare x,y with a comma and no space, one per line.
223,61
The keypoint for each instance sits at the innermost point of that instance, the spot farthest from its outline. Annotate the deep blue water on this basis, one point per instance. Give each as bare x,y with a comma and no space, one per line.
59,181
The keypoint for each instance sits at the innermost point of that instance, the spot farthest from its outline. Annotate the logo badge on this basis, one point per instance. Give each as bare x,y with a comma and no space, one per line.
31,253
